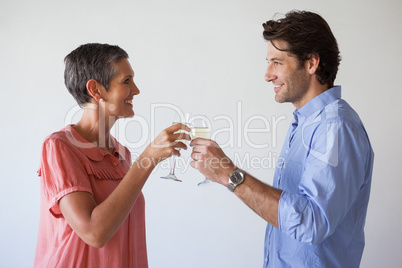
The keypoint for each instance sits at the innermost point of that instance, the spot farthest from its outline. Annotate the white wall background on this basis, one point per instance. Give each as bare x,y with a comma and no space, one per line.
207,57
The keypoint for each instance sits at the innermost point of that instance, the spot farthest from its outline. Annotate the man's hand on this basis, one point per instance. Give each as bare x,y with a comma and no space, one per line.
211,161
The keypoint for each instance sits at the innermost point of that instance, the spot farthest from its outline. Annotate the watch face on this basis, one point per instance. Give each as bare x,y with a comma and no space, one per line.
236,177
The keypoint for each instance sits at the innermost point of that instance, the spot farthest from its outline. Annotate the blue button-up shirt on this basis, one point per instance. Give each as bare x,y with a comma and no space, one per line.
324,170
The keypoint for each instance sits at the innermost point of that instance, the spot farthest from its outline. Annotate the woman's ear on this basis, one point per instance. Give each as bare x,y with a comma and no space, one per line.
94,89
313,63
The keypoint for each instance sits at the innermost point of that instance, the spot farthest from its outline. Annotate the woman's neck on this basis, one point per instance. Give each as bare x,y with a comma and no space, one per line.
95,127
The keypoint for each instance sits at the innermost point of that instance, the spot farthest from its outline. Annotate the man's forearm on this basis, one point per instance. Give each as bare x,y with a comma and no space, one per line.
261,198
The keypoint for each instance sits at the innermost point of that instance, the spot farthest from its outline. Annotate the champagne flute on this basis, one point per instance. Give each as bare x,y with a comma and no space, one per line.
177,119
200,129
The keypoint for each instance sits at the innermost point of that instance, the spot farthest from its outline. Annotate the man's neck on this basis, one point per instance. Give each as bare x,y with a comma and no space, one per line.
313,92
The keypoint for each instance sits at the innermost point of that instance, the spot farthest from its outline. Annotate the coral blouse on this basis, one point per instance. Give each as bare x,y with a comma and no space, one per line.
70,163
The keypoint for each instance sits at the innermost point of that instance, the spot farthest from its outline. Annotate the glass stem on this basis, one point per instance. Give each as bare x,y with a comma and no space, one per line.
173,165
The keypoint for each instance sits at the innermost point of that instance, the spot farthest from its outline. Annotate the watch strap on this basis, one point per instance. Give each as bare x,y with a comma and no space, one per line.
231,186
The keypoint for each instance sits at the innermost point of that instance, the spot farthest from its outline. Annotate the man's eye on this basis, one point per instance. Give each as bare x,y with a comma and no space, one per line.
126,81
275,63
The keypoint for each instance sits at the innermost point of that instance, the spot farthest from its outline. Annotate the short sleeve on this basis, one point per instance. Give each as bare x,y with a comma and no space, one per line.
62,171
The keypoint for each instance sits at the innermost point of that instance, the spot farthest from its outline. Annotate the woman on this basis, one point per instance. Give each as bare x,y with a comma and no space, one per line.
92,207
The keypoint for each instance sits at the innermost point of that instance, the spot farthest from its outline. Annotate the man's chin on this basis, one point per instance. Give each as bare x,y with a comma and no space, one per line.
279,99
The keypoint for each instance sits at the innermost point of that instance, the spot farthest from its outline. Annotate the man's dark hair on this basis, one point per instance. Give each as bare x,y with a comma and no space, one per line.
90,61
307,34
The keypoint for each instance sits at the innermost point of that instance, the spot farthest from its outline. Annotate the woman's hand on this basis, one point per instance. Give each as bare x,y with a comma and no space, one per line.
168,143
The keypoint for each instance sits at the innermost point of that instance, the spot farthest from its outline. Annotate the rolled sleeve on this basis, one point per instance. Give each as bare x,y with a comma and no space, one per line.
291,214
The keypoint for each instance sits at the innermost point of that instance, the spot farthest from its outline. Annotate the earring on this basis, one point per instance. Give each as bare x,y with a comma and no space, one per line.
100,100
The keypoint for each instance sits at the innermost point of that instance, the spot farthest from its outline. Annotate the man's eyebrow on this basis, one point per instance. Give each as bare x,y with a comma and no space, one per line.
273,59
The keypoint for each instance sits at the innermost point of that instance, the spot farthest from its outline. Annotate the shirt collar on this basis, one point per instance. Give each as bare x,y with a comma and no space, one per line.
91,150
317,104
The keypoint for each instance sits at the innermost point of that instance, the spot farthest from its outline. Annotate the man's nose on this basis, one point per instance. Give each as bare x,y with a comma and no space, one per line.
269,76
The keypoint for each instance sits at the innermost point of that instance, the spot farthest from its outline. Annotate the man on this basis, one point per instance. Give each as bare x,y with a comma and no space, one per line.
317,206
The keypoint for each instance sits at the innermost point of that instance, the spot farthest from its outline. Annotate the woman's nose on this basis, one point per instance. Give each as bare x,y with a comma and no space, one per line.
135,90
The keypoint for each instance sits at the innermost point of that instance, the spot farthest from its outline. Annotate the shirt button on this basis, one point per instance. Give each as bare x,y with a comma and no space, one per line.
115,163
54,200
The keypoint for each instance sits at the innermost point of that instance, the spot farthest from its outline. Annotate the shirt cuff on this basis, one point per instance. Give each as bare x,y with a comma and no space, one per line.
292,217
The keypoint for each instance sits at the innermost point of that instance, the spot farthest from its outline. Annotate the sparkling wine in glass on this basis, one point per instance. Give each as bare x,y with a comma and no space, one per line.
199,129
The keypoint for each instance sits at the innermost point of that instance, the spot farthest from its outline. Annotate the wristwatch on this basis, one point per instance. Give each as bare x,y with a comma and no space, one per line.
236,178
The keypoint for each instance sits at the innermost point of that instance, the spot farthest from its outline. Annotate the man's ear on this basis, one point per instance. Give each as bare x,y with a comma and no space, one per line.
94,89
312,63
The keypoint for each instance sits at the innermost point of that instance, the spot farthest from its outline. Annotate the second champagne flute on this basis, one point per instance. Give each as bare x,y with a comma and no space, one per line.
177,119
